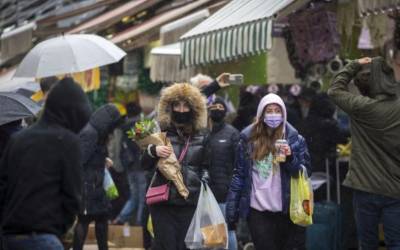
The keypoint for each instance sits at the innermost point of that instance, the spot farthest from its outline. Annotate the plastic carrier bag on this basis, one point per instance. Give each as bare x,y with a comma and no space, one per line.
109,186
208,228
301,199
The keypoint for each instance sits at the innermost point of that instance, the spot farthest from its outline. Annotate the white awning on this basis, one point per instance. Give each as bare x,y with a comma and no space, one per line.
170,49
17,41
241,28
377,7
166,59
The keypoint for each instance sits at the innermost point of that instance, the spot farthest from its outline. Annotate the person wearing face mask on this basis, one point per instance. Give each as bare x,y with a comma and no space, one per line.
182,114
374,170
260,187
223,142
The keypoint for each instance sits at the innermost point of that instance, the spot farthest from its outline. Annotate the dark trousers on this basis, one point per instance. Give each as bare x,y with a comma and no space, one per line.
275,231
370,210
170,225
101,230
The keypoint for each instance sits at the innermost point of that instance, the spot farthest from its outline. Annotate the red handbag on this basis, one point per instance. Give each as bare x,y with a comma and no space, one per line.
157,194
160,193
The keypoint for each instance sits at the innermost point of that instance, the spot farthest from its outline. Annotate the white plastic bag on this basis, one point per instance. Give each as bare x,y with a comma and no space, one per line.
208,228
109,186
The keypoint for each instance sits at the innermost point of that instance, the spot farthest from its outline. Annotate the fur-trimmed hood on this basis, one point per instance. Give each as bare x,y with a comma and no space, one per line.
187,93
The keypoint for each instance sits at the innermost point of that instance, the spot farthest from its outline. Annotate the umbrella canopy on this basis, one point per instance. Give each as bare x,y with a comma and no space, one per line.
68,54
14,106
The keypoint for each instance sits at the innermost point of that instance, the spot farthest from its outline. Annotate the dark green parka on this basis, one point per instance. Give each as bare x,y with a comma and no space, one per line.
375,129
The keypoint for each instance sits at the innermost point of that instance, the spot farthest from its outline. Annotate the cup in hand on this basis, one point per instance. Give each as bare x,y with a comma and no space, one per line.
280,152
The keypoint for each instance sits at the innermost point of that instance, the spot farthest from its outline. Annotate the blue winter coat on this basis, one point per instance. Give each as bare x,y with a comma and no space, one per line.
238,200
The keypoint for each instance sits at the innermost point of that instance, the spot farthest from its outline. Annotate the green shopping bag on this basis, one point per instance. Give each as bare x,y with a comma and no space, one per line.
109,186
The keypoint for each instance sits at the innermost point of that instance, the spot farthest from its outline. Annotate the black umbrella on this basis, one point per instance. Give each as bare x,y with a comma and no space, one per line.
14,106
25,92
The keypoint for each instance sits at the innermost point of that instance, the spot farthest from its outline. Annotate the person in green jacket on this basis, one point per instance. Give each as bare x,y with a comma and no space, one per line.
374,172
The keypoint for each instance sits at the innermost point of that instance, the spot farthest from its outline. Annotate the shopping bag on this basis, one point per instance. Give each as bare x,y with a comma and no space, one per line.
301,199
208,228
109,186
150,226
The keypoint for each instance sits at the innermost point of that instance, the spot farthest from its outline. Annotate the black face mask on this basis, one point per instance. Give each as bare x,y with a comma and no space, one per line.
217,115
182,117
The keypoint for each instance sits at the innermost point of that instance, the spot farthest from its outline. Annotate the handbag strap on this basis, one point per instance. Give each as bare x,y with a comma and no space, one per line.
184,151
181,156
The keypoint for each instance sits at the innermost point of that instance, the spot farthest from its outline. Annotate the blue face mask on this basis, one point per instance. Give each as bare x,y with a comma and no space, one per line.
273,120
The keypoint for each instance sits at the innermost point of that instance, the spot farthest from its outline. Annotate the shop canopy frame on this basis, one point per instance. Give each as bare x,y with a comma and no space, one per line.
377,7
241,28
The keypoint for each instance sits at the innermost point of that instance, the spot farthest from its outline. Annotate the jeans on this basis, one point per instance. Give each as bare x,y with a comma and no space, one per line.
232,242
33,242
370,210
137,188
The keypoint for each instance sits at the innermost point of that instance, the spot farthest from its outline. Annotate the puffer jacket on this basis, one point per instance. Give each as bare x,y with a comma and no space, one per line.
94,151
223,141
196,161
194,166
238,200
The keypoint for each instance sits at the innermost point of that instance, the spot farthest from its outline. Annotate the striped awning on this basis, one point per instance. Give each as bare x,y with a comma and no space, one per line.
241,28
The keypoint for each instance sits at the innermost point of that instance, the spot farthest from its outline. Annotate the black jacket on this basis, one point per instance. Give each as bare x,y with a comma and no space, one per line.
194,166
223,141
94,150
40,181
322,132
130,151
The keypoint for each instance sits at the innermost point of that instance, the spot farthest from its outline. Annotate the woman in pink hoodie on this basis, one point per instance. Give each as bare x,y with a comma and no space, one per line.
260,188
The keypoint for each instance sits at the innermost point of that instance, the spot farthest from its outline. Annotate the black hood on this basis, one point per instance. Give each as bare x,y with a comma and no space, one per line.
322,106
67,105
220,100
105,119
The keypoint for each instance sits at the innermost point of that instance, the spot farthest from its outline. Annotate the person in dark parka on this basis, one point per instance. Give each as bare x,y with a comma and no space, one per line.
95,205
182,114
40,178
6,131
321,131
223,141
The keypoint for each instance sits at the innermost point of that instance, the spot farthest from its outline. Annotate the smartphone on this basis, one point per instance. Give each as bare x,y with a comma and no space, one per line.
236,79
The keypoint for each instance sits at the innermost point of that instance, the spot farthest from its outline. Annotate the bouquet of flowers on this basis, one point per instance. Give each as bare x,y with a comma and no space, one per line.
142,133
146,132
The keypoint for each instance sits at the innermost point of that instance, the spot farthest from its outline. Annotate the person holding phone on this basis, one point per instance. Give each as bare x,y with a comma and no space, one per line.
269,153
374,171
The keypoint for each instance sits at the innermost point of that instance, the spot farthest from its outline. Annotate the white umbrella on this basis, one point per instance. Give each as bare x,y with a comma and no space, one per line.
68,54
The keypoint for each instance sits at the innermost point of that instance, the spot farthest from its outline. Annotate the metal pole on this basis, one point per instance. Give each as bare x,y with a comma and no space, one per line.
328,180
338,181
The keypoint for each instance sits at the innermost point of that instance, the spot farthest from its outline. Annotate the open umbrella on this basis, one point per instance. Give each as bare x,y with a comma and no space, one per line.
14,106
68,54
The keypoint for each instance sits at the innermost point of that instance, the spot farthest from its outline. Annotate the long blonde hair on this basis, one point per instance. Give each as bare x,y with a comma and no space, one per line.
264,138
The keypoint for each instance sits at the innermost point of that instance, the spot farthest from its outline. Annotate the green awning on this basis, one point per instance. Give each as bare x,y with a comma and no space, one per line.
240,28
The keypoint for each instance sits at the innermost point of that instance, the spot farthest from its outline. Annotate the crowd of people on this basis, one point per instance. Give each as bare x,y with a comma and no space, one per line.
52,172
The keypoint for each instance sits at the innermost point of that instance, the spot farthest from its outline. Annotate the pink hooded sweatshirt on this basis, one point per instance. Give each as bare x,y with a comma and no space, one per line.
266,193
